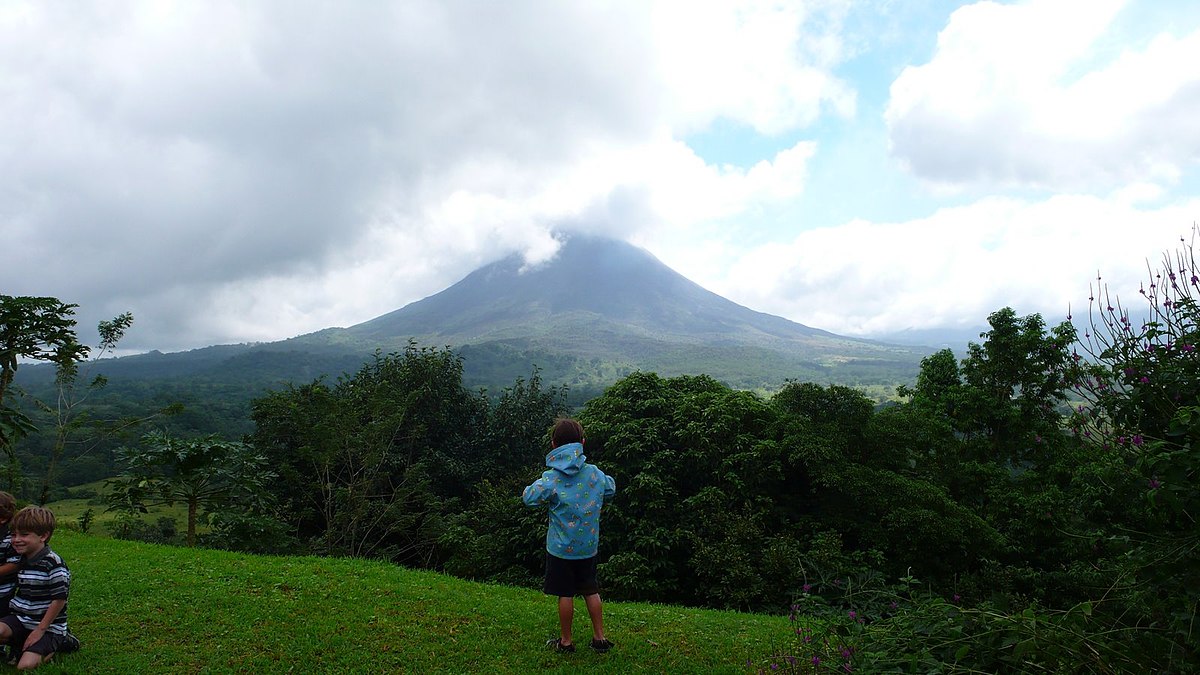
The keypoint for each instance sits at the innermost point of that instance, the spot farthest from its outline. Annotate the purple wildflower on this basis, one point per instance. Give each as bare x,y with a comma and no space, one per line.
816,660
1137,439
1154,483
806,587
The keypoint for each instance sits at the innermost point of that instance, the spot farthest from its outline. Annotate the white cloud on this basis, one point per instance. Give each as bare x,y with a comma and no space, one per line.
233,171
764,63
1042,93
959,264
240,172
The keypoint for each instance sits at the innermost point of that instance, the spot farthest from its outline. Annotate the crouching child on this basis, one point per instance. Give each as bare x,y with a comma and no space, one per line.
36,629
575,492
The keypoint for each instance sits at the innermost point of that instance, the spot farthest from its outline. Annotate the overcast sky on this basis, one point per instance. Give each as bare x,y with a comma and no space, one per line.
250,171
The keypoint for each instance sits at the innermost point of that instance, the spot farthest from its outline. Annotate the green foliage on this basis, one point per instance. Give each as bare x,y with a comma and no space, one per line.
203,474
1141,388
86,519
66,412
37,328
131,527
696,469
898,628
365,466
253,531
497,538
493,536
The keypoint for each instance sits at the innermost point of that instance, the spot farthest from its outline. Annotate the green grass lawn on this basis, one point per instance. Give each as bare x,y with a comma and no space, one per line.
142,608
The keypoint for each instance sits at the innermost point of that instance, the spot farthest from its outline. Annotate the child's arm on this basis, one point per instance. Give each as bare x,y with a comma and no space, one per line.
9,568
538,493
610,486
52,612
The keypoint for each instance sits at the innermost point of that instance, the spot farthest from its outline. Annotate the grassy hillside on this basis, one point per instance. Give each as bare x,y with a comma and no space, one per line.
142,608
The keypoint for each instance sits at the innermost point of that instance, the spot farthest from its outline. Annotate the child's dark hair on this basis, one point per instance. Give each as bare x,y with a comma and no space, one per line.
8,506
35,519
566,430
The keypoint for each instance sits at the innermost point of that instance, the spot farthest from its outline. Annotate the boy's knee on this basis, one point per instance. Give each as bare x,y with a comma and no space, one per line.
30,660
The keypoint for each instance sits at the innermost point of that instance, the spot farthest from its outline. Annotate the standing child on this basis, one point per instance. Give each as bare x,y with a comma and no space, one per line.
575,492
37,627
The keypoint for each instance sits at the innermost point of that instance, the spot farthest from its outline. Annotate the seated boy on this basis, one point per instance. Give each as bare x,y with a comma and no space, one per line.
37,627
9,559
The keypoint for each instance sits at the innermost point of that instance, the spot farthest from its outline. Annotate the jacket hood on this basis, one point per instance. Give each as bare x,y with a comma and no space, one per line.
568,458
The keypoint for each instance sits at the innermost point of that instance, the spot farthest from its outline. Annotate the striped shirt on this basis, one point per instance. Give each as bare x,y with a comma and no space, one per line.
8,582
41,580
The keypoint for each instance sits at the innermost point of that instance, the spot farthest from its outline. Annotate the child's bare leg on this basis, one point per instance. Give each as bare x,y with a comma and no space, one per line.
596,611
566,613
31,660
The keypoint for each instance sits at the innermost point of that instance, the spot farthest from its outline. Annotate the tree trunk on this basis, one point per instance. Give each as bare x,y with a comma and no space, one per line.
191,535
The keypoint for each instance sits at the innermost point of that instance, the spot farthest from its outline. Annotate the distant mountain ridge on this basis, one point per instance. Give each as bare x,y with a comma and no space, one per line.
598,310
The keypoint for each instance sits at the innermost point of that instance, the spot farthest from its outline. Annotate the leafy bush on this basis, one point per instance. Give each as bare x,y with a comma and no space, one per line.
899,628
164,530
250,532
1141,386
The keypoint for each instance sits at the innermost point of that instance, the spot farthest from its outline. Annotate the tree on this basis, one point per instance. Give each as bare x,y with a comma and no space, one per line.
1015,385
36,328
205,474
699,477
840,414
66,409
365,465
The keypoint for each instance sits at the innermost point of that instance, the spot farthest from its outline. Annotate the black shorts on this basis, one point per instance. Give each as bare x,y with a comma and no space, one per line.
566,578
50,643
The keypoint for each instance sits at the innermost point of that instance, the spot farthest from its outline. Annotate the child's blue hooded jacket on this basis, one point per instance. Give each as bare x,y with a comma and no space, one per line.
575,491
